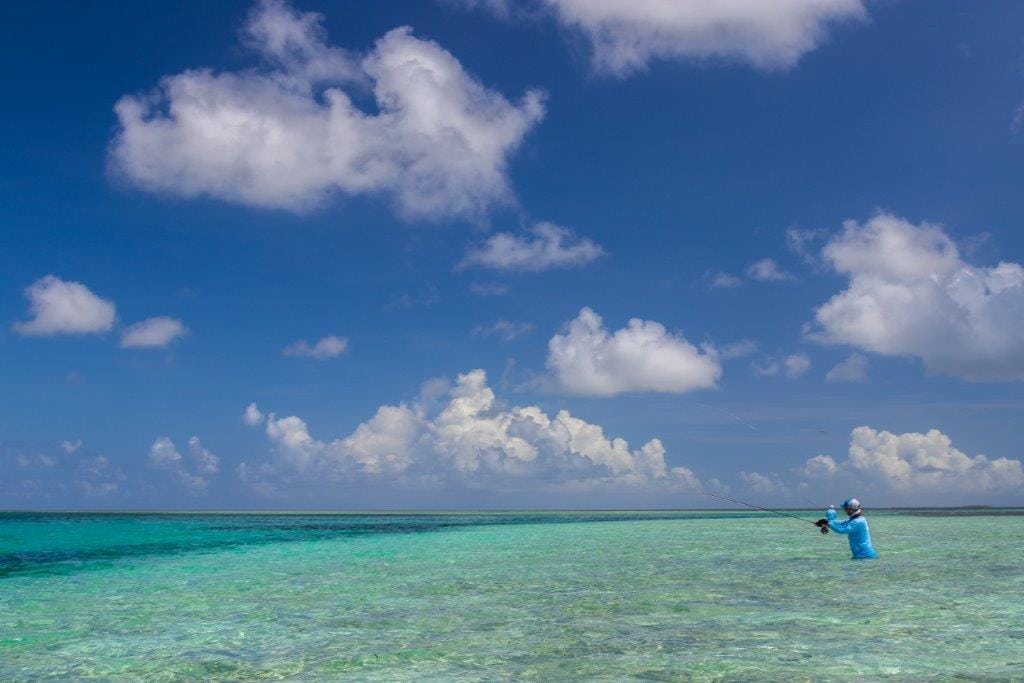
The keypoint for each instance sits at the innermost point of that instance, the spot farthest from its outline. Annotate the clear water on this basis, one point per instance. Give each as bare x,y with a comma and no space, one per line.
552,596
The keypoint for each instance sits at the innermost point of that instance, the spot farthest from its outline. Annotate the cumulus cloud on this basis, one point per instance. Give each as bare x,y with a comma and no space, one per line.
762,483
152,333
93,475
70,447
853,369
725,281
585,358
436,141
626,35
919,462
461,433
792,365
206,461
767,270
797,364
62,307
819,466
164,455
98,477
546,246
504,330
738,349
327,347
911,294
252,415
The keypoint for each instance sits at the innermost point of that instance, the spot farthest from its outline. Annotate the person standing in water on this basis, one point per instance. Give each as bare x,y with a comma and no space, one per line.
856,527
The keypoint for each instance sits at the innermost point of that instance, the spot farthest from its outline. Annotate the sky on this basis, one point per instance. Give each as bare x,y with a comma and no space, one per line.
511,254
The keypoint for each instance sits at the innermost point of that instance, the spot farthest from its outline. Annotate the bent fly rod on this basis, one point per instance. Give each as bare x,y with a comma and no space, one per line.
824,529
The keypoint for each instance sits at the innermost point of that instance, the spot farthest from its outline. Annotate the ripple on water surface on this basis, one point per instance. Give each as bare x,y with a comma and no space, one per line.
513,595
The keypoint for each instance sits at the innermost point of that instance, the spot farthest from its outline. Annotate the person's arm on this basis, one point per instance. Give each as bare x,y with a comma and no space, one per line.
838,527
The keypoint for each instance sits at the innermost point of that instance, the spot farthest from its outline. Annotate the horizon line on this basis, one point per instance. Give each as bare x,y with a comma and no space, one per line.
382,511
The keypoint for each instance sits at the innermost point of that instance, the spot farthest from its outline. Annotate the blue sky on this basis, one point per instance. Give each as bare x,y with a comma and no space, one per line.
812,216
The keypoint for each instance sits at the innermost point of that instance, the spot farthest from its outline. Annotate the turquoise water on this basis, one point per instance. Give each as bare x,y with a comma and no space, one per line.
551,596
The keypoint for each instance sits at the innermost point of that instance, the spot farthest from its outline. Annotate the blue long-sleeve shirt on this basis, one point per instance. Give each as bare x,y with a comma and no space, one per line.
856,528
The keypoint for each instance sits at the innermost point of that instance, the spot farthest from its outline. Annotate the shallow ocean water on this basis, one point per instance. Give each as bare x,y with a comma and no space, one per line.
483,596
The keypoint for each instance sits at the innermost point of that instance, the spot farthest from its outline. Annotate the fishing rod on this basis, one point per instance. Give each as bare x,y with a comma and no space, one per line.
824,529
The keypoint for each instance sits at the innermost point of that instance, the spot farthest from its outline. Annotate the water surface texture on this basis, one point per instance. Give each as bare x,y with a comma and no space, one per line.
552,596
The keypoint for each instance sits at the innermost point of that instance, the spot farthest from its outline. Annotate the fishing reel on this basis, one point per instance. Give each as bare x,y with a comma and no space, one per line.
822,524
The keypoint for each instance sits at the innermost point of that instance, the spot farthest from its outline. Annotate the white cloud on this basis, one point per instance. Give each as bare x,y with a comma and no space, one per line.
296,43
920,463
853,369
71,446
98,477
384,443
62,307
503,329
206,461
626,35
97,489
1018,119
547,246
40,460
738,349
911,294
801,242
327,347
164,455
252,415
152,333
714,484
767,270
819,466
762,483
792,365
436,141
725,281
643,356
464,435
767,367
797,364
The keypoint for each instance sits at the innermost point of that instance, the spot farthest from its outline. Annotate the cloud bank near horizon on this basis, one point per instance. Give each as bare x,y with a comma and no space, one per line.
460,433
915,462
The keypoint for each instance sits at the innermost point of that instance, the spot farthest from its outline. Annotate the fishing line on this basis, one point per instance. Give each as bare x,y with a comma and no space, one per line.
758,507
